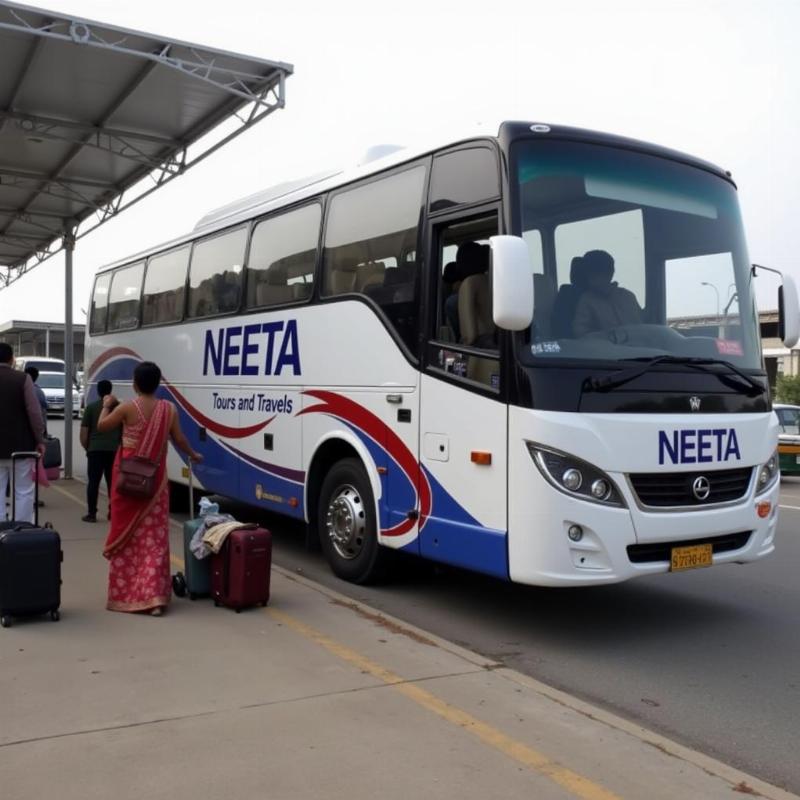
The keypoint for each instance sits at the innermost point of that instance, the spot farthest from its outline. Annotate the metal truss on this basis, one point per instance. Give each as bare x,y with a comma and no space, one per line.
245,85
159,159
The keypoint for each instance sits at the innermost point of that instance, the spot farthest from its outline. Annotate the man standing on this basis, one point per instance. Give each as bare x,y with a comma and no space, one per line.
101,448
34,373
21,429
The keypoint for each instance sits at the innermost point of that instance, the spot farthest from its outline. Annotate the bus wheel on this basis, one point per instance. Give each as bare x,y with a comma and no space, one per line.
347,525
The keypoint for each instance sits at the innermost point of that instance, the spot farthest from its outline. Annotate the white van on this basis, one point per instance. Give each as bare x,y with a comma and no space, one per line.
41,363
52,384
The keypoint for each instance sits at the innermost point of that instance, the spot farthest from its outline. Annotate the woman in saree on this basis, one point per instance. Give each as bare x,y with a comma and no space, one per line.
137,546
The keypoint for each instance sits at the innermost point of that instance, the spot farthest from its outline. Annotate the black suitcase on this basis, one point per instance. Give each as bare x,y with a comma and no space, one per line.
30,564
52,453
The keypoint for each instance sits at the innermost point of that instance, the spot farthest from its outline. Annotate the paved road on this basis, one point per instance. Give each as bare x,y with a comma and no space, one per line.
710,658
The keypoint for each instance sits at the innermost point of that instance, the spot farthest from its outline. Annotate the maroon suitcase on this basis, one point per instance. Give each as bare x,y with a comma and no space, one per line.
240,571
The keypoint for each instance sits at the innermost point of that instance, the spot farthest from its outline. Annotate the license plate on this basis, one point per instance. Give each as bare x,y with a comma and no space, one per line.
692,557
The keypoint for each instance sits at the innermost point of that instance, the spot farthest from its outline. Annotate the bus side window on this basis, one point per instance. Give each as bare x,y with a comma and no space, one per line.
283,252
215,274
164,287
123,298
99,311
371,247
464,314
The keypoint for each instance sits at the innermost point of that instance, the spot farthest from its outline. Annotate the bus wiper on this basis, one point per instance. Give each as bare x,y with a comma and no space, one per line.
624,376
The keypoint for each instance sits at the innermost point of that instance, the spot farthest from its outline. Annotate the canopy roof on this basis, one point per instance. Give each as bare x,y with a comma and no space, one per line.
88,110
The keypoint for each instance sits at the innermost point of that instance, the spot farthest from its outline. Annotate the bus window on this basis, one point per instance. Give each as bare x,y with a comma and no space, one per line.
164,287
371,231
283,252
215,274
99,311
465,176
123,299
464,315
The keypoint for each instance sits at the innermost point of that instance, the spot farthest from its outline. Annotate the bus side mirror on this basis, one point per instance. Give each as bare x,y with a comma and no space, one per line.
788,312
512,283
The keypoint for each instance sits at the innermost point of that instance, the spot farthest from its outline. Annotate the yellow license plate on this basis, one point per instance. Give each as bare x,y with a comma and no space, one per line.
697,555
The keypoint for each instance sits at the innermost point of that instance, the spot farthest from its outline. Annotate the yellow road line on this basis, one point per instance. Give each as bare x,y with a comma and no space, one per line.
533,759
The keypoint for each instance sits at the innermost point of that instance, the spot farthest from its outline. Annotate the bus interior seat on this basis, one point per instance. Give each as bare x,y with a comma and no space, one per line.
342,276
566,302
370,274
544,296
273,287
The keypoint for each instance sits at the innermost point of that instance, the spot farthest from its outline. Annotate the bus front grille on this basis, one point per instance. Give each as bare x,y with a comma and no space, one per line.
676,489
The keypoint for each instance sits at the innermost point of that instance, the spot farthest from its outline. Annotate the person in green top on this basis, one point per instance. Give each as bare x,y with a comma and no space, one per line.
101,449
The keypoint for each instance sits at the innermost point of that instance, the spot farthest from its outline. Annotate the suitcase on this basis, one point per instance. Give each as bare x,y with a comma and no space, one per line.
240,572
30,563
195,580
52,453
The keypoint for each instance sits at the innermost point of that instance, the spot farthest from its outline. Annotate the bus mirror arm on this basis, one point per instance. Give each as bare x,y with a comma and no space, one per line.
788,307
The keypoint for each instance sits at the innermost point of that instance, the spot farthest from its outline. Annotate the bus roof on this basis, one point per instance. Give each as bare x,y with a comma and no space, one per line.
288,193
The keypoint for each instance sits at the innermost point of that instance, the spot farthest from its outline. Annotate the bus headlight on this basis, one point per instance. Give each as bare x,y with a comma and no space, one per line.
575,477
768,474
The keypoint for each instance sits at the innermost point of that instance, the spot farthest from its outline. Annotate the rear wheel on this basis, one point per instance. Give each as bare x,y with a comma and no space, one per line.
5,621
347,524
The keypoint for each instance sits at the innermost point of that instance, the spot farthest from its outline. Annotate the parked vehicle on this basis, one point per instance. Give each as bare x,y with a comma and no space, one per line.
52,384
41,363
788,438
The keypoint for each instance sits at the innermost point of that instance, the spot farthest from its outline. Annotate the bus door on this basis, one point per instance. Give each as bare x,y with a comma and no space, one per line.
463,433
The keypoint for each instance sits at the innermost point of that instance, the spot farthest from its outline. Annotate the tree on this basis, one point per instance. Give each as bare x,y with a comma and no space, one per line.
787,389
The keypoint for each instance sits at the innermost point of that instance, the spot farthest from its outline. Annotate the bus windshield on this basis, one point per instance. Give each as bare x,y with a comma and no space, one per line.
634,256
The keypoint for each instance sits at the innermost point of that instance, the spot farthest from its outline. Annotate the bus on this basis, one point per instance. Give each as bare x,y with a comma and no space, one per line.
533,354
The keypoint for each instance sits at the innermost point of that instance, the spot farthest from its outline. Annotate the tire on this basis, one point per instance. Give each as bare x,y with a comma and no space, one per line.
55,615
348,529
5,622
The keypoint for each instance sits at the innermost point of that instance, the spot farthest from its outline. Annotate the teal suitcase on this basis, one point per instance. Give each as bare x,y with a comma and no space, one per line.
195,580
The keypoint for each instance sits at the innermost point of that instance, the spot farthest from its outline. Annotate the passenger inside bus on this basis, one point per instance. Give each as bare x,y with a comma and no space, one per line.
603,304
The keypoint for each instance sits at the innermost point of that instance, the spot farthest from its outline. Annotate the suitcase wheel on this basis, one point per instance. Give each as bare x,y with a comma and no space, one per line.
5,621
216,602
192,596
179,584
238,610
55,615
263,603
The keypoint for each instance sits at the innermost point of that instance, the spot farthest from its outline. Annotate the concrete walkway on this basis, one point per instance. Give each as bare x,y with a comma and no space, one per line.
313,697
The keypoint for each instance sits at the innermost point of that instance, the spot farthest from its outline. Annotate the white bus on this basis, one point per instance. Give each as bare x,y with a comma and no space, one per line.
534,355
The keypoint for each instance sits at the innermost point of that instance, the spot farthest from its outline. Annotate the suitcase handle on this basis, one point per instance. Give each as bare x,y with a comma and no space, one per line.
20,454
191,491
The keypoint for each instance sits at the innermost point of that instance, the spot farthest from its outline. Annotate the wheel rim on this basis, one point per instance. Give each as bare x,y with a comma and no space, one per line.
346,522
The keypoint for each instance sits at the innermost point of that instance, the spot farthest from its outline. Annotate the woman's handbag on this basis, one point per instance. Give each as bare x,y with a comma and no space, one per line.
136,477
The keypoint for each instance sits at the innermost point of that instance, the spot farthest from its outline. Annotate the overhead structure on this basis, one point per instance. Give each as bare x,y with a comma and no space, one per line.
94,118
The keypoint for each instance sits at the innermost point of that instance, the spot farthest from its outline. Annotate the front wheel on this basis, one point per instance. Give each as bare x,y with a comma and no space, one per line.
347,525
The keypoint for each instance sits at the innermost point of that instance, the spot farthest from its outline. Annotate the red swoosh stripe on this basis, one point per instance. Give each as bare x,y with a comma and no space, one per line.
108,355
213,426
338,406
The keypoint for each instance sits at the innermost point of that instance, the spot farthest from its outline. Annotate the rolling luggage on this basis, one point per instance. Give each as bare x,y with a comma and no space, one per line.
52,458
30,563
195,580
240,572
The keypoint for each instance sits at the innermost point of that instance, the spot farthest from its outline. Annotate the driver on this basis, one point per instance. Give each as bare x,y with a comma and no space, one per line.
603,305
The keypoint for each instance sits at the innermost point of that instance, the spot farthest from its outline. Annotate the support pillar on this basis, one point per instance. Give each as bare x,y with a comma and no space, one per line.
69,355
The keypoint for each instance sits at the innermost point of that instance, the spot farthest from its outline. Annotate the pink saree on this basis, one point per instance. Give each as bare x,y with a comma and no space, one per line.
137,546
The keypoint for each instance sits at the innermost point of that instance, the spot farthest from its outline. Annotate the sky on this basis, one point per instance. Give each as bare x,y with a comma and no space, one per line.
719,79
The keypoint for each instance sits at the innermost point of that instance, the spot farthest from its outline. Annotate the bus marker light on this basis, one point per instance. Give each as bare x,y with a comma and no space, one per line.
763,509
294,502
481,457
575,533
